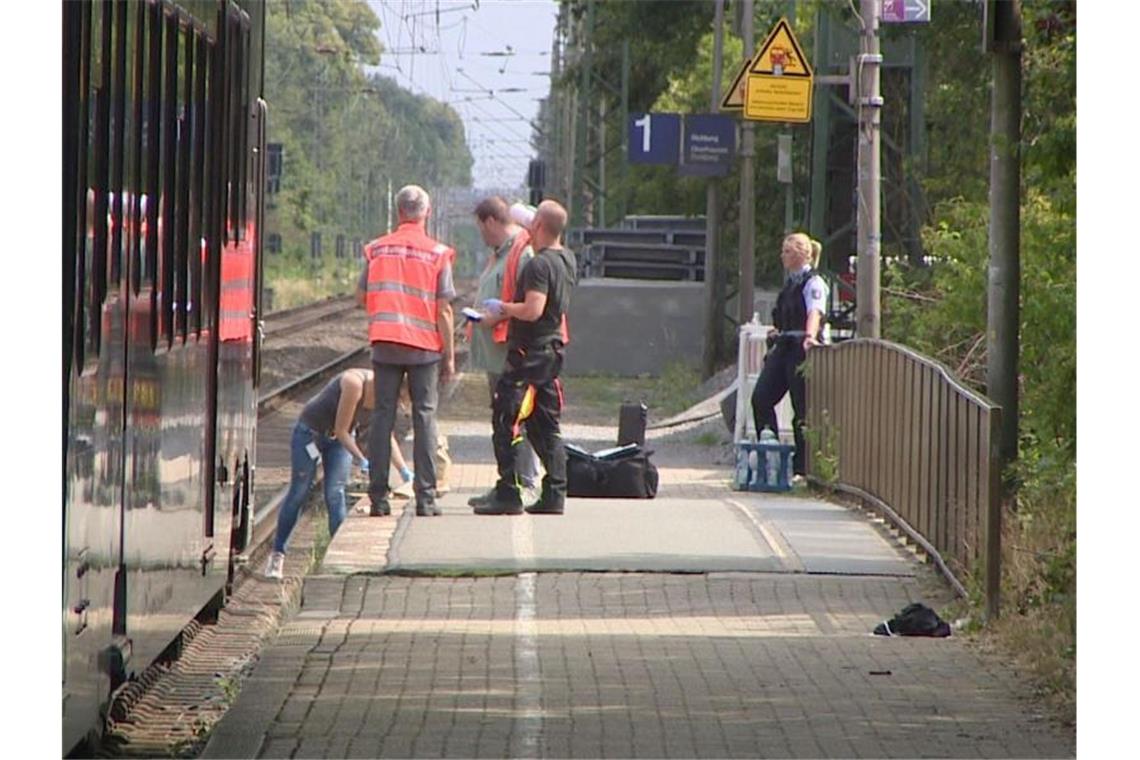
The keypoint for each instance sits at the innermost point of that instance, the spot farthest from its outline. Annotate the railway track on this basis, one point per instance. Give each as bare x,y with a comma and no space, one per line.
300,317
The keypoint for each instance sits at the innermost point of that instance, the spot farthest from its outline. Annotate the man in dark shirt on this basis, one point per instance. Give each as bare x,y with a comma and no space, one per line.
529,389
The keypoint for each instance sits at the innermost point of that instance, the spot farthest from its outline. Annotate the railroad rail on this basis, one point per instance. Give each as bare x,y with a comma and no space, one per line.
300,317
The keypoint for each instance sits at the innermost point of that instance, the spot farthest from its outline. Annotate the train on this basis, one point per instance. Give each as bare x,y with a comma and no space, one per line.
164,125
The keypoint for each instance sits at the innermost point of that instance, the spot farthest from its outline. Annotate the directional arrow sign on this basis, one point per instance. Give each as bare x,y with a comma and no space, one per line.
906,11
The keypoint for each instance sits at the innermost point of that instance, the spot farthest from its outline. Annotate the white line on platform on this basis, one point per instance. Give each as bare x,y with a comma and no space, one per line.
528,714
772,537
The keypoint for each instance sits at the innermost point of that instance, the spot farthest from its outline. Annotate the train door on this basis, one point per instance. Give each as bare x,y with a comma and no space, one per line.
96,209
232,393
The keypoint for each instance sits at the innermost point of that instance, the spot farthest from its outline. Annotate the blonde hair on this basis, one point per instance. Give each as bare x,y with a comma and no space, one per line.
809,248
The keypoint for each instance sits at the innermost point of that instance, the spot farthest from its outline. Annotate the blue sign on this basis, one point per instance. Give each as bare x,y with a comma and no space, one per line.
708,146
654,138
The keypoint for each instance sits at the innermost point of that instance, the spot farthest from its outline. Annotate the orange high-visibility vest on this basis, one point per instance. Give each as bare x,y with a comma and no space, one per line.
403,276
510,279
236,308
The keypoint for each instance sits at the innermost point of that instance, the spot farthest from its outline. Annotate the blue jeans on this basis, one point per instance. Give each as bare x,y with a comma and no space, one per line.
336,460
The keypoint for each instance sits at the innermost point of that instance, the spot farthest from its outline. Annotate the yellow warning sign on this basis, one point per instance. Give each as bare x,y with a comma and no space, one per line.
733,100
778,85
781,55
772,98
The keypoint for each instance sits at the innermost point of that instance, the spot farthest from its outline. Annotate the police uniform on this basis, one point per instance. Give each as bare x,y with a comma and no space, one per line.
530,391
803,292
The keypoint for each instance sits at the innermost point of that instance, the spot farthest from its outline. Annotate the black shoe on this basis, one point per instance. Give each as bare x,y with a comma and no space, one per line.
380,509
546,506
482,499
429,510
500,505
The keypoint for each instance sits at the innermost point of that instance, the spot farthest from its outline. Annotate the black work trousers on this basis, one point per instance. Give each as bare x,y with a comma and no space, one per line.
780,375
529,391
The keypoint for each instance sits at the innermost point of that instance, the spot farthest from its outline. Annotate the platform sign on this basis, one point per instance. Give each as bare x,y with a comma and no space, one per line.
708,146
779,82
655,138
906,11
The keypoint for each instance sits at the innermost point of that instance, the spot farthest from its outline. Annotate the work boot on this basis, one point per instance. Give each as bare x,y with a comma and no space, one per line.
428,510
546,506
380,508
502,502
481,499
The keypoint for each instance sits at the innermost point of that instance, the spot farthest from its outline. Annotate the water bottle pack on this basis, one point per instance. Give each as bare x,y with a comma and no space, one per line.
763,465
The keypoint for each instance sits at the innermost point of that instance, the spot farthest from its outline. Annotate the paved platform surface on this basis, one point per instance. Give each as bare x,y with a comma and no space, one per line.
723,625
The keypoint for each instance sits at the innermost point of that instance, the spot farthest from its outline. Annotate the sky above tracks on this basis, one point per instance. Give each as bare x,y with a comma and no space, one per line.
489,60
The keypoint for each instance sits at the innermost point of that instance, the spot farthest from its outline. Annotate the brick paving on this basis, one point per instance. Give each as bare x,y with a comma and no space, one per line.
608,664
625,665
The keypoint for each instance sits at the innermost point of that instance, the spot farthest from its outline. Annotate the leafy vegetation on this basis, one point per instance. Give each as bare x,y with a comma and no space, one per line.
936,305
346,136
941,310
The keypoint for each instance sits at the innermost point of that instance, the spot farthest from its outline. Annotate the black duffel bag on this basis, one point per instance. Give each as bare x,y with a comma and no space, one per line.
627,474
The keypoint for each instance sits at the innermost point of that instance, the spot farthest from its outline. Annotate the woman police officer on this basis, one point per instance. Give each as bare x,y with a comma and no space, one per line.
798,319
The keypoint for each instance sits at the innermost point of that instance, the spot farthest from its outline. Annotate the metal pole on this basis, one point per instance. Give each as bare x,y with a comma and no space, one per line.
869,107
601,214
625,129
1005,219
820,130
789,201
581,143
714,327
747,188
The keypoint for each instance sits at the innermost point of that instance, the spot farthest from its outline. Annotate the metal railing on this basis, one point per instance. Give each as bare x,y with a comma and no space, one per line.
899,431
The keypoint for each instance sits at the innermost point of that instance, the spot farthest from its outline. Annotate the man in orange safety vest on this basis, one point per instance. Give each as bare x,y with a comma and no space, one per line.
407,289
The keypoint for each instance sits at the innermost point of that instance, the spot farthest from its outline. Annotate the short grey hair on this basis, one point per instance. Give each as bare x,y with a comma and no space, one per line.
412,202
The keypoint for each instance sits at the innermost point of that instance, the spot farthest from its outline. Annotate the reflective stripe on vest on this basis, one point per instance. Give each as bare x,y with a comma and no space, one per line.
403,276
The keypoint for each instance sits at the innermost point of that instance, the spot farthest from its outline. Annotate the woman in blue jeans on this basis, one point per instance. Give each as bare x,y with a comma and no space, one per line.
324,433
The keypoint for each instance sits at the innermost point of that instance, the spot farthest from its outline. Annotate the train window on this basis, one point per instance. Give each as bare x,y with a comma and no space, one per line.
197,163
72,34
181,96
152,145
95,258
237,39
211,151
169,141
246,156
137,174
119,220
80,192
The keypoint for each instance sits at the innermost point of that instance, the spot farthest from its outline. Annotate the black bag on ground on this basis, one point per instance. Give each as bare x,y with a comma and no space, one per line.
624,474
916,619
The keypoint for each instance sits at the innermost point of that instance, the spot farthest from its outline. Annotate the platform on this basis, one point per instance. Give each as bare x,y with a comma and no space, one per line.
702,623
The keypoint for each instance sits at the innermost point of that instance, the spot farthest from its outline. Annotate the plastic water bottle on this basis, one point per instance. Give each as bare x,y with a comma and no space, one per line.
753,466
741,469
771,457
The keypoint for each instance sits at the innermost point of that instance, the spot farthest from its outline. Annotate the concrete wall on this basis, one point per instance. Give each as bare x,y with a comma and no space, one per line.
634,327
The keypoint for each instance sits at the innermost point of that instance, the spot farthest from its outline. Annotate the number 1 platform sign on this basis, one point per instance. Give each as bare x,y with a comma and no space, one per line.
655,138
